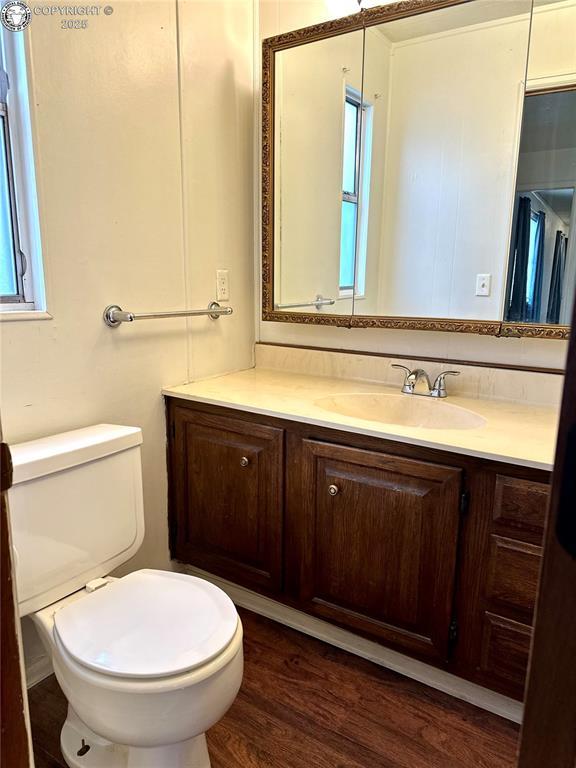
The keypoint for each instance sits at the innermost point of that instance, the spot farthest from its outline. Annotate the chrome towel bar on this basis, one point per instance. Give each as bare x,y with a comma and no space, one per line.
318,302
114,315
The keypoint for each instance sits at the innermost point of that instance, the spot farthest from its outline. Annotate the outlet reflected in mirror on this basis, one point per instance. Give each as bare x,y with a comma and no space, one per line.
441,160
393,194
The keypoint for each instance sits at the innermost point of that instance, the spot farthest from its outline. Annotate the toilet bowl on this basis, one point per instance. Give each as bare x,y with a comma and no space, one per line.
145,662
148,662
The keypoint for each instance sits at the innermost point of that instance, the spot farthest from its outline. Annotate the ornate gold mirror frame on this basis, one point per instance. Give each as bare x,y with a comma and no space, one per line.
270,46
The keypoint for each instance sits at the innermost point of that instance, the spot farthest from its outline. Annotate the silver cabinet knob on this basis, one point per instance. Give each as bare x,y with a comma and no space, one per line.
333,490
244,461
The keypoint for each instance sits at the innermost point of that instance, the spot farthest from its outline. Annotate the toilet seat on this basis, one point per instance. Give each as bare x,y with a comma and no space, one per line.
149,624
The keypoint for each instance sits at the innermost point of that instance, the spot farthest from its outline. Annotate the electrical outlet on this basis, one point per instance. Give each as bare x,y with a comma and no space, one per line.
222,285
483,285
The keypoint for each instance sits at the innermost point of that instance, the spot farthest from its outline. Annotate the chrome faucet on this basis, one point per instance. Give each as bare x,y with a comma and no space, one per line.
411,379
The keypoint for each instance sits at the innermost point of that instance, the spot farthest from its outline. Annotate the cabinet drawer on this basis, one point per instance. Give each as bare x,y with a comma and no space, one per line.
513,572
505,652
520,507
227,478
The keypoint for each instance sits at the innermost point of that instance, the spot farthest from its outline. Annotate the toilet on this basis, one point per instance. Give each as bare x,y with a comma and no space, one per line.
148,662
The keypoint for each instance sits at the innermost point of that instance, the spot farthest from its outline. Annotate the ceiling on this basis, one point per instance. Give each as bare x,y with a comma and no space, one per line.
457,17
549,122
560,200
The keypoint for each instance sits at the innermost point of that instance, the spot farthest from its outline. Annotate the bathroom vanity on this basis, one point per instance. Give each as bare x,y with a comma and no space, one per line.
426,540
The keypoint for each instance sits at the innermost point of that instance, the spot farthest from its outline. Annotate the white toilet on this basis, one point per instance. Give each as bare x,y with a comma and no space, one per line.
148,662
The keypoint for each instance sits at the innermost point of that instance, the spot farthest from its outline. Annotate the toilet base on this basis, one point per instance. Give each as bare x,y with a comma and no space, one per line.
76,736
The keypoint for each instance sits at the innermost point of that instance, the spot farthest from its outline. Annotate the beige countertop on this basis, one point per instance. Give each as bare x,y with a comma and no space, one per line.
515,433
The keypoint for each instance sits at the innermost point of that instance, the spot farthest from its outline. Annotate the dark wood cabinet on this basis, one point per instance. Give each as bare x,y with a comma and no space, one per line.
520,507
380,539
510,584
227,497
505,650
512,581
428,552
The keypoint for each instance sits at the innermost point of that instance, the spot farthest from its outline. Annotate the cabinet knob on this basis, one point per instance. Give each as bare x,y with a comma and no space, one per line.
244,461
333,490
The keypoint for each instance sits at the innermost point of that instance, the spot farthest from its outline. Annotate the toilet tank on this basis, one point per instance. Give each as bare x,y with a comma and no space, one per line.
76,510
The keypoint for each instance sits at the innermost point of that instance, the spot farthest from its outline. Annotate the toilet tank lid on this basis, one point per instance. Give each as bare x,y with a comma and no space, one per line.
46,455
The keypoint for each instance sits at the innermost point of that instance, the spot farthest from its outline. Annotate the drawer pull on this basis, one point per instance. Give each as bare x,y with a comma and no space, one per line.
333,490
244,461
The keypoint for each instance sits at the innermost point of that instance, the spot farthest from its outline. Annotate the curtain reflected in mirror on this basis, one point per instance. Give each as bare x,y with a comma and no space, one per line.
402,191
542,266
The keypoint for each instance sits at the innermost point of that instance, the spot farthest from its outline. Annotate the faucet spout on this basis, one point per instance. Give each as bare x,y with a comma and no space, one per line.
416,376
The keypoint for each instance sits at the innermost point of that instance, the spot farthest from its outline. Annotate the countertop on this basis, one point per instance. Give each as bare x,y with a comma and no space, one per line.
515,433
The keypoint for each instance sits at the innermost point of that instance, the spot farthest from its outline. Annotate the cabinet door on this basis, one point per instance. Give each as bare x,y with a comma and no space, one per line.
379,547
227,481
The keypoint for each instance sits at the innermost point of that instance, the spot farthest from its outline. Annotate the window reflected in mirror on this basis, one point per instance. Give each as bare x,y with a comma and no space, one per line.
542,266
320,138
419,172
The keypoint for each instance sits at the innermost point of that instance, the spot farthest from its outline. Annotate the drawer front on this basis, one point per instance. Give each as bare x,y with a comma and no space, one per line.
505,653
512,557
513,572
520,508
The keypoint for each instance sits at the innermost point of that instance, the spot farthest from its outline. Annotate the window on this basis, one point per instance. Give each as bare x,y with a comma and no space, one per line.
11,259
355,190
21,283
531,298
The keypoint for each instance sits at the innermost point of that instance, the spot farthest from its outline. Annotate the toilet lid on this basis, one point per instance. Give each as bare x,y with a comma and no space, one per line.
148,624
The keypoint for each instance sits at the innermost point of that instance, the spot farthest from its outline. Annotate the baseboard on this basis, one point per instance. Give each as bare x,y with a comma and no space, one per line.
38,670
348,641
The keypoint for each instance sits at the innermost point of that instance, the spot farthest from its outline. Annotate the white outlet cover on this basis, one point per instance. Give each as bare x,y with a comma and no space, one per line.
222,285
483,285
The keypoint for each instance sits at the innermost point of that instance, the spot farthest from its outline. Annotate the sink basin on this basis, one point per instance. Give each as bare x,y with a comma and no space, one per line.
403,410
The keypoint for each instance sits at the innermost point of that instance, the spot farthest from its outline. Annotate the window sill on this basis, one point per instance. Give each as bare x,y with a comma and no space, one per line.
12,315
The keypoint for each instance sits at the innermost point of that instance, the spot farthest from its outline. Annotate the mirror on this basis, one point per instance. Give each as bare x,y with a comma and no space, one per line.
449,109
542,265
317,92
392,186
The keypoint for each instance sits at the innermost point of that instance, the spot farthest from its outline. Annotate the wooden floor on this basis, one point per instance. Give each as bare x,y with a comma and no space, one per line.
305,704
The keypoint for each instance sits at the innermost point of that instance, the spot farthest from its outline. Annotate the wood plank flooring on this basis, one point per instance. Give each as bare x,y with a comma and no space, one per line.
305,704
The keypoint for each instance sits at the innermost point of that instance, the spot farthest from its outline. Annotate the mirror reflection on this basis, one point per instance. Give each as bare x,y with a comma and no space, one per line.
542,266
318,97
442,176
413,176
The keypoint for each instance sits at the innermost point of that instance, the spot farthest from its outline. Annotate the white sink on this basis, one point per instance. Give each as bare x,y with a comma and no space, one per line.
403,410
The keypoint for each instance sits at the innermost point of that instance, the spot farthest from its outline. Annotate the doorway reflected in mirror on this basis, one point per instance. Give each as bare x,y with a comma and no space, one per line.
542,267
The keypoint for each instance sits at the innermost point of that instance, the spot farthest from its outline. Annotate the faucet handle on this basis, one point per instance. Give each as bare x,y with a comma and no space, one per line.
439,388
402,368
408,386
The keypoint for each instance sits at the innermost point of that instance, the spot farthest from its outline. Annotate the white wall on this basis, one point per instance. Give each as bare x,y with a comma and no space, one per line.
312,83
376,80
552,46
218,124
450,175
277,16
127,218
105,111
309,135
